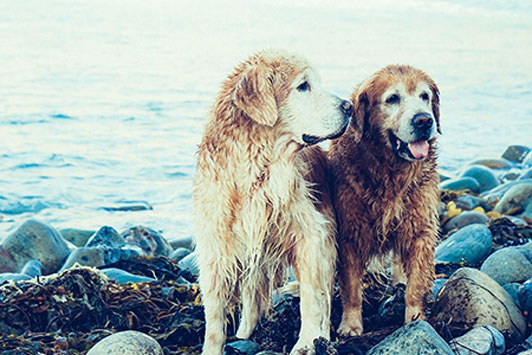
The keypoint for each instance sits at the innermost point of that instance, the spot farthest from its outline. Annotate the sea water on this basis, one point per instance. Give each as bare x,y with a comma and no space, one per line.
102,103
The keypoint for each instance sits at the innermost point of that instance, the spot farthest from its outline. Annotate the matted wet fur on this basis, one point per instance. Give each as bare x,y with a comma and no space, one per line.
386,187
260,203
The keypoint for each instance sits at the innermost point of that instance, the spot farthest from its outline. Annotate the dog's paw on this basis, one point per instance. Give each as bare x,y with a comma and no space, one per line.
350,329
413,313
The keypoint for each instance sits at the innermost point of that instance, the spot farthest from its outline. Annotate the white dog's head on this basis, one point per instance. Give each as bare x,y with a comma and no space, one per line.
402,103
279,89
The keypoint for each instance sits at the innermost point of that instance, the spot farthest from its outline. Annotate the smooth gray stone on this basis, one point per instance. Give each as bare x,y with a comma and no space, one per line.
471,298
150,241
513,290
464,183
32,268
470,245
123,277
107,236
499,191
179,254
183,242
418,337
78,237
246,347
482,340
469,202
484,176
127,342
34,240
510,264
101,255
517,197
494,163
464,219
516,153
189,263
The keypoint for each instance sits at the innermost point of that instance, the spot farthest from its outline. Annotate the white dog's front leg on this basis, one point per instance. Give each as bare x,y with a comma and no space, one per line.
249,314
315,271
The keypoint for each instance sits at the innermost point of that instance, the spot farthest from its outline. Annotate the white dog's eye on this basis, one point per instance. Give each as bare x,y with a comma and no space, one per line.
424,96
393,99
304,86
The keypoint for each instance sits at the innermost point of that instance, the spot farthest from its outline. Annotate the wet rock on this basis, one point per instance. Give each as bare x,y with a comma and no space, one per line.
483,340
100,255
511,264
494,163
184,242
189,263
499,191
525,298
78,237
513,290
179,254
516,199
511,176
464,219
241,347
516,153
123,277
418,337
152,242
470,245
469,202
464,183
31,269
128,342
33,240
471,298
107,236
484,176
132,206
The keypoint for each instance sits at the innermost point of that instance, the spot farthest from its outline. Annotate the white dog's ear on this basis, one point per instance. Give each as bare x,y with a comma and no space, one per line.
254,94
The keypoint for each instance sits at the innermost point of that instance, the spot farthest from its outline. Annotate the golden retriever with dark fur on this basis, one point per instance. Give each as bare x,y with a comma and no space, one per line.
260,201
386,187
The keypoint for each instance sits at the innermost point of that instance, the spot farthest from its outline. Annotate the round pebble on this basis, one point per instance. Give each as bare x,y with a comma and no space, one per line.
494,163
242,347
150,241
106,236
516,153
517,198
469,245
510,264
123,277
128,342
464,183
184,242
78,237
484,176
179,254
464,219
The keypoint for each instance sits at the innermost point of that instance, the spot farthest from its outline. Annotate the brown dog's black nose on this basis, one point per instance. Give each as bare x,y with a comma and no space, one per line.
346,107
422,121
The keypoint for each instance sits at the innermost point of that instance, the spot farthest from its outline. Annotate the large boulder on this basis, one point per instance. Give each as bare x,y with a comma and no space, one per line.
516,199
418,337
471,298
33,240
511,264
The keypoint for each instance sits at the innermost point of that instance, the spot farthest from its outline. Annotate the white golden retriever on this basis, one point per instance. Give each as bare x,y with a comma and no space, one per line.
260,198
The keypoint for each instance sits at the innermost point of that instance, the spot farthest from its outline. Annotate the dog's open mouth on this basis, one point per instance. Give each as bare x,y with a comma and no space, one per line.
411,151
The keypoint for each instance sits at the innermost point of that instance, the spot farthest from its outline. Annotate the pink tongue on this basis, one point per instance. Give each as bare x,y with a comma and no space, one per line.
419,149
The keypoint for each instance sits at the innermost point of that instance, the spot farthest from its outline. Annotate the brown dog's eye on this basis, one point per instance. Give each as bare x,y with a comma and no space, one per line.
394,99
424,96
304,86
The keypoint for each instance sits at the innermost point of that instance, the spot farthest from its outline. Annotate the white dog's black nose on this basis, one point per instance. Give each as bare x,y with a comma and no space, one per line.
346,107
422,121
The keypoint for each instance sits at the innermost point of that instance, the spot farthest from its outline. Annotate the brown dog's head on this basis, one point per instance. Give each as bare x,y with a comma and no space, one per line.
274,88
400,106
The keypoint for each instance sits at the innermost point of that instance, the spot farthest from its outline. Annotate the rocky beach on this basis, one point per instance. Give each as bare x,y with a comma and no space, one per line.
76,291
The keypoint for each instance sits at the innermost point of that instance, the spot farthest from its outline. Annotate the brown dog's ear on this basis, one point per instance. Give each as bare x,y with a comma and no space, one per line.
360,111
436,105
254,94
